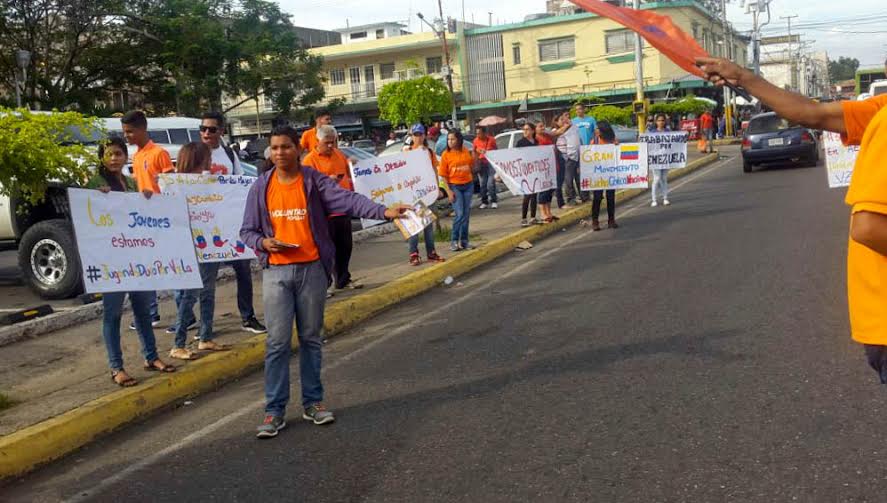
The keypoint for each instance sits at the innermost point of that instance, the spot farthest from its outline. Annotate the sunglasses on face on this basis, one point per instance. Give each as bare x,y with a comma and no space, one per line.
209,129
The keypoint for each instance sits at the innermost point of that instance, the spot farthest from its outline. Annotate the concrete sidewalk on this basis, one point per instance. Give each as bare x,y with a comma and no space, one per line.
60,372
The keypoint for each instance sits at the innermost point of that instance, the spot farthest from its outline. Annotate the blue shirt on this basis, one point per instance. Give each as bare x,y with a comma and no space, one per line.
441,144
586,127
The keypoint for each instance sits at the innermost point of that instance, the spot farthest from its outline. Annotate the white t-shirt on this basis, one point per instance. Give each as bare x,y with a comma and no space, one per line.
569,143
221,164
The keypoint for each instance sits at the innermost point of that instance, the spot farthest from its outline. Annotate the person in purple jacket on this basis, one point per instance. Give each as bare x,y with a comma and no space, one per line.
285,222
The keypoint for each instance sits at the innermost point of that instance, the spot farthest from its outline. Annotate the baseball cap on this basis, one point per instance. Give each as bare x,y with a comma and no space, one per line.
417,129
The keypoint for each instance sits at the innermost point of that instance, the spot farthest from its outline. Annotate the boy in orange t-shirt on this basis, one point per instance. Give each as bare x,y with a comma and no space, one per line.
861,123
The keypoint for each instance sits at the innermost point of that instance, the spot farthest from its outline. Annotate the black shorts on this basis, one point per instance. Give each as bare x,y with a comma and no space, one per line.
545,197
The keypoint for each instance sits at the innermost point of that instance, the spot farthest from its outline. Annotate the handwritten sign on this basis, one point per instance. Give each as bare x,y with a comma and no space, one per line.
128,243
405,178
839,159
525,171
215,205
665,150
415,220
622,166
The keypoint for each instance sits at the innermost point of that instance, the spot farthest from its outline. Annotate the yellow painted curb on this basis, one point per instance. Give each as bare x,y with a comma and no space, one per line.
24,450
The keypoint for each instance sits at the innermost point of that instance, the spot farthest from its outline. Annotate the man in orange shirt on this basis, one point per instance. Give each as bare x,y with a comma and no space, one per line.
329,160
148,162
309,138
707,124
859,123
285,223
482,143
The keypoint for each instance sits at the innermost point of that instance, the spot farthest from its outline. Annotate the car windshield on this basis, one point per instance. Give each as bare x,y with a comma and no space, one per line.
879,89
768,124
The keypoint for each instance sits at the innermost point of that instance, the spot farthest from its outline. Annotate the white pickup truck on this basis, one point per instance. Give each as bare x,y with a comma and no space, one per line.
43,233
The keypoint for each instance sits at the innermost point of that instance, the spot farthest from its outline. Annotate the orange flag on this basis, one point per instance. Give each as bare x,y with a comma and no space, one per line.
656,29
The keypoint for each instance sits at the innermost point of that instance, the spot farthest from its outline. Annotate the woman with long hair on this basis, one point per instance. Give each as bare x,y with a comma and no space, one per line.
660,176
109,177
605,135
457,167
530,201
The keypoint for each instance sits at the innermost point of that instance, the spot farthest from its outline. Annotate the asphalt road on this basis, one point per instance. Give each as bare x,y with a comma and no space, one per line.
698,353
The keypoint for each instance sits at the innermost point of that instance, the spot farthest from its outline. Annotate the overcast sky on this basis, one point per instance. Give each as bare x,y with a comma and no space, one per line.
838,39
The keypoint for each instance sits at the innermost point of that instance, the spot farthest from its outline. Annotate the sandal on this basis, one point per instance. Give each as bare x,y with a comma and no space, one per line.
125,383
158,366
182,354
414,259
211,346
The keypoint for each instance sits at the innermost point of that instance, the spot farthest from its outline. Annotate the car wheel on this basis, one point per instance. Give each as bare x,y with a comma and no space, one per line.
48,259
746,166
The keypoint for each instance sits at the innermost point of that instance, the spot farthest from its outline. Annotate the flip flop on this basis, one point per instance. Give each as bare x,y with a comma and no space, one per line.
126,383
165,368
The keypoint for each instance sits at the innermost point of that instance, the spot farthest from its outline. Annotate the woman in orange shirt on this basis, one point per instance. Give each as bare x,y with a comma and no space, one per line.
457,167
420,142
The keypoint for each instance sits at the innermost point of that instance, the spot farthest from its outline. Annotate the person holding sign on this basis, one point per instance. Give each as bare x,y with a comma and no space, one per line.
329,160
660,176
457,165
196,158
605,136
530,201
286,224
420,142
109,178
859,123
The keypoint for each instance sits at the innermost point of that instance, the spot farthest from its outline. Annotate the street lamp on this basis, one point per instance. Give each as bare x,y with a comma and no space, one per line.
447,70
22,59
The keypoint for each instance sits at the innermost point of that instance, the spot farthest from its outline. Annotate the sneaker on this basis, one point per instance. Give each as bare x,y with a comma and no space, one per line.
654,204
414,259
155,322
352,285
330,291
270,427
495,206
434,257
482,206
524,223
253,325
467,247
665,202
454,247
318,414
172,329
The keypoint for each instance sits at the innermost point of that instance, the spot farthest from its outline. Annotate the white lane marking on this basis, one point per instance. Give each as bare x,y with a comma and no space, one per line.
251,408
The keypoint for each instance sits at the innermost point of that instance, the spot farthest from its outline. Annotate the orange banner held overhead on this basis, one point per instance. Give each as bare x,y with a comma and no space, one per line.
656,29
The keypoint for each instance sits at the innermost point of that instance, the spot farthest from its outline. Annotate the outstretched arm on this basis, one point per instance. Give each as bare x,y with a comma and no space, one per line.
789,105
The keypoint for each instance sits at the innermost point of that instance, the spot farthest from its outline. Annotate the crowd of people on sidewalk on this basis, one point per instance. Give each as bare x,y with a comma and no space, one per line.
298,221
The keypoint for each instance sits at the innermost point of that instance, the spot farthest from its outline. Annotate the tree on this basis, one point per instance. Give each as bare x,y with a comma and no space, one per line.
414,100
38,148
842,69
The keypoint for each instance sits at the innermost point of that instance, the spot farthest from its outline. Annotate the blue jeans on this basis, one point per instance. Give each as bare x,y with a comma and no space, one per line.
462,209
293,291
244,275
487,182
186,300
112,303
154,309
429,241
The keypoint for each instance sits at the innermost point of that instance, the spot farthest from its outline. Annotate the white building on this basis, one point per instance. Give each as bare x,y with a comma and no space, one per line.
785,64
376,31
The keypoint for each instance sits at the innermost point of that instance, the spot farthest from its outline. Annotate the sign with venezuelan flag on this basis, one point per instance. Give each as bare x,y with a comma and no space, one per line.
604,167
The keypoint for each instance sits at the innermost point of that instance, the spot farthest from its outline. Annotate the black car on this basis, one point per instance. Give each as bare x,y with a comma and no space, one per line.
770,139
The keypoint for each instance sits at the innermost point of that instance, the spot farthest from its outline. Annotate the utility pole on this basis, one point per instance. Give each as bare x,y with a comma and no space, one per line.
792,76
755,8
639,76
728,53
447,70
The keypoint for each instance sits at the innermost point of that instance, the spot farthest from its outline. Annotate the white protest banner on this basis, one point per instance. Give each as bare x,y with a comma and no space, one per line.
665,150
215,204
129,243
614,167
525,171
404,178
839,159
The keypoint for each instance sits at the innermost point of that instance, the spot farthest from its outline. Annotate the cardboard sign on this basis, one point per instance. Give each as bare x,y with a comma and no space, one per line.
839,159
128,243
405,178
415,220
525,171
623,166
215,205
665,150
